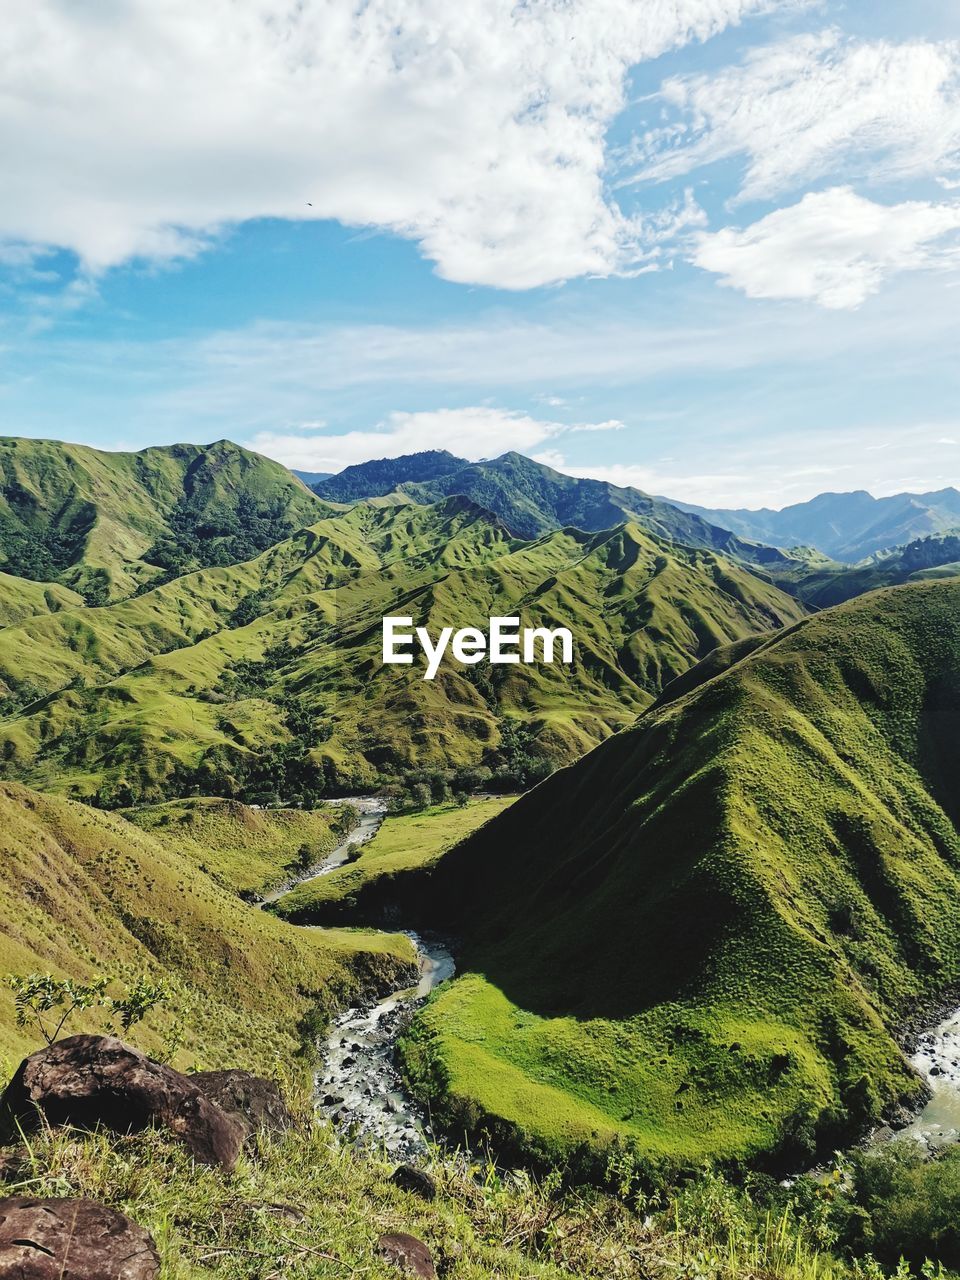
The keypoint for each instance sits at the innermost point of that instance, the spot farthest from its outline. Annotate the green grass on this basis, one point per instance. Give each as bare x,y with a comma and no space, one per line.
308,1209
143,700
702,935
405,842
84,893
931,557
108,524
248,850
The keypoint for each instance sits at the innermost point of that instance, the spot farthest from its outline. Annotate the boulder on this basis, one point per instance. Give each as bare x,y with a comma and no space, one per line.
100,1082
408,1253
257,1103
72,1240
417,1181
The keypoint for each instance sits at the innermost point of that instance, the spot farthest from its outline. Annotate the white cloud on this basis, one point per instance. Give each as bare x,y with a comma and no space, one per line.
774,470
473,433
813,106
142,129
833,247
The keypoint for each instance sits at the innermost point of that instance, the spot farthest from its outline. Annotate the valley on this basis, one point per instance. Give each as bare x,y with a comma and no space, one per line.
649,916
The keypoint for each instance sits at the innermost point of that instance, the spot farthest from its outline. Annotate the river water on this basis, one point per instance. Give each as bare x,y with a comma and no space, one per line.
359,1086
937,1059
372,811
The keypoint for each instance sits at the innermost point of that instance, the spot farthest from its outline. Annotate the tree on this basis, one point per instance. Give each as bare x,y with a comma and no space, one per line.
47,1004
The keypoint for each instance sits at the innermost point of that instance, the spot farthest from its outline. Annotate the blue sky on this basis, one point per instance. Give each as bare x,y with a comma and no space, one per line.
709,247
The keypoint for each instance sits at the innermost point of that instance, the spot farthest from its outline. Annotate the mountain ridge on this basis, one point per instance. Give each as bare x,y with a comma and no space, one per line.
700,937
111,524
533,499
848,526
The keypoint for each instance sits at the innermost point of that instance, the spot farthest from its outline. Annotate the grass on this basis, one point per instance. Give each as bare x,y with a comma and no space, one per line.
702,936
405,842
307,1208
108,524
248,850
141,699
84,893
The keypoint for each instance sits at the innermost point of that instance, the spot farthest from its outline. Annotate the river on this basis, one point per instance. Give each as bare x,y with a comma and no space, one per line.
937,1058
359,1086
372,811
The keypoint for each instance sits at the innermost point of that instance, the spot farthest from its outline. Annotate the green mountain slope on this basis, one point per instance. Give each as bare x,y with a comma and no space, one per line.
84,893
935,556
700,937
532,499
265,679
106,524
381,476
21,598
847,526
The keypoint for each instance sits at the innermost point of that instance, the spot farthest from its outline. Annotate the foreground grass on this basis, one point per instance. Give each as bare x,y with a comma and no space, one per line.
307,1207
407,842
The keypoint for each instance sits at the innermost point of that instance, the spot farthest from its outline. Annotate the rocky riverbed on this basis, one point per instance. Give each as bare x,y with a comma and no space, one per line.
359,1087
936,1056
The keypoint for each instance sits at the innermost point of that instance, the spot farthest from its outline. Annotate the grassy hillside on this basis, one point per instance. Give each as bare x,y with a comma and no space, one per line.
363,888
264,680
700,937
935,556
85,893
532,499
107,524
20,599
249,851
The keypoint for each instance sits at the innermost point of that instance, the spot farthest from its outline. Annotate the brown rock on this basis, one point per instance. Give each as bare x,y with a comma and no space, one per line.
256,1102
72,1240
408,1253
409,1178
100,1082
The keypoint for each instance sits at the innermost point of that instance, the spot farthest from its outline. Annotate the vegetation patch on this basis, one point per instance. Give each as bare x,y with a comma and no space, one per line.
363,889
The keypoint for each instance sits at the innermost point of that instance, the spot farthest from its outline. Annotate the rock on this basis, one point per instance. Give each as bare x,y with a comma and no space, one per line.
72,1240
408,1253
98,1081
417,1181
254,1101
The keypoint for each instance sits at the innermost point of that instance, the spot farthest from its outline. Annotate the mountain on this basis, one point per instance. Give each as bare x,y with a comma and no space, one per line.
699,939
109,524
532,499
264,680
934,556
310,478
377,478
845,526
86,894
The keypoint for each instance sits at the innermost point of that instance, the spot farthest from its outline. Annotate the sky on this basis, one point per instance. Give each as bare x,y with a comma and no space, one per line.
707,247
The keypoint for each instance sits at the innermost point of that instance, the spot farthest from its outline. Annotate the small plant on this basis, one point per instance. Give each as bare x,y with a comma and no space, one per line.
47,1004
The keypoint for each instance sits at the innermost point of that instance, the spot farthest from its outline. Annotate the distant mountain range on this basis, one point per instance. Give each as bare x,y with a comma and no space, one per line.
532,499
845,526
